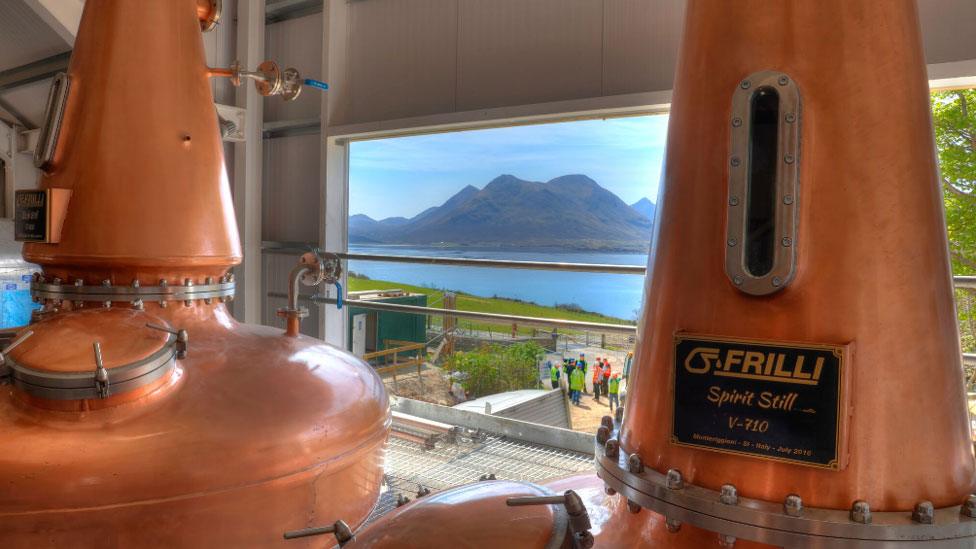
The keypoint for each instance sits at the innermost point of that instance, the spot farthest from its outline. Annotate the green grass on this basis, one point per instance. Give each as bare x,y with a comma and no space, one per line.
468,302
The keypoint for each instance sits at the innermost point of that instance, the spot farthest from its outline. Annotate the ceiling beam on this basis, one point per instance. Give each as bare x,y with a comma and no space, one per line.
63,16
33,72
953,75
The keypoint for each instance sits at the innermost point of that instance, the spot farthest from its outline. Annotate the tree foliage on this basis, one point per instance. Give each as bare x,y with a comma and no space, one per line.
495,368
954,116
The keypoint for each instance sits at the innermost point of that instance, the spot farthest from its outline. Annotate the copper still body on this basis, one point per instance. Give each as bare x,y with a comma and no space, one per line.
138,412
798,379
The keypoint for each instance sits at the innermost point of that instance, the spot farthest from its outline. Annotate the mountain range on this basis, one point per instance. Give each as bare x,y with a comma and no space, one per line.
571,211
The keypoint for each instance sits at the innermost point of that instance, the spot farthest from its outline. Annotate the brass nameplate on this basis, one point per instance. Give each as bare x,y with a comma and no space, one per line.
773,400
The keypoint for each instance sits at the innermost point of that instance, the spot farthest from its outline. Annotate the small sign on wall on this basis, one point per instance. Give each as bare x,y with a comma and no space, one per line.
39,214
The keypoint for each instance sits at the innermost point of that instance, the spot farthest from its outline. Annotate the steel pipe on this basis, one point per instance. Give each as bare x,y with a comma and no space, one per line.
966,282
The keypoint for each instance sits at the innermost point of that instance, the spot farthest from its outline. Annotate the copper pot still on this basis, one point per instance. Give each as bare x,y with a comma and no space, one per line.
797,377
137,411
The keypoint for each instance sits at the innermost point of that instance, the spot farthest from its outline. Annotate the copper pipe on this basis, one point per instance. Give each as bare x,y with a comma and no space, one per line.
293,313
221,73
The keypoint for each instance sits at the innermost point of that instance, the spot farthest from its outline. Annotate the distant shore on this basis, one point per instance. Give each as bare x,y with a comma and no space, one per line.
636,248
494,304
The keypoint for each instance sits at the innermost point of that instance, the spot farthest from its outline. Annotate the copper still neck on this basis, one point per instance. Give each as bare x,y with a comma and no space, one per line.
858,268
140,150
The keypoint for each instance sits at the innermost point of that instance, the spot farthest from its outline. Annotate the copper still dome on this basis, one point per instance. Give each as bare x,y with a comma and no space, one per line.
138,412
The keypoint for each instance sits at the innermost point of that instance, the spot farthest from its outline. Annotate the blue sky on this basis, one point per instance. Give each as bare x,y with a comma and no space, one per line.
404,176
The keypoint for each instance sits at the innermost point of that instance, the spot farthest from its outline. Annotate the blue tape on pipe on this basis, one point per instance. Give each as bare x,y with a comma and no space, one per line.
338,296
316,84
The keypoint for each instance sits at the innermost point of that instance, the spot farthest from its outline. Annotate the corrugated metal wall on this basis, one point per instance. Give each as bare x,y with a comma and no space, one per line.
292,179
548,409
423,57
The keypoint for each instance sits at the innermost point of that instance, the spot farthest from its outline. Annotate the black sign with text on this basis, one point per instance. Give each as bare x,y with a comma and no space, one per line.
780,401
30,216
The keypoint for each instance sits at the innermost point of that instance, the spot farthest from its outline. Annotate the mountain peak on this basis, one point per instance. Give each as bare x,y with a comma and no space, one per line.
504,181
575,180
570,210
645,207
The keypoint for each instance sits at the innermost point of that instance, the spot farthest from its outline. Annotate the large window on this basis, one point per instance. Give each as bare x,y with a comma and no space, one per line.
569,192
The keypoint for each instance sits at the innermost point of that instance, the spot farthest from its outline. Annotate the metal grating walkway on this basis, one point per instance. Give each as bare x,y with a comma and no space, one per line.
409,465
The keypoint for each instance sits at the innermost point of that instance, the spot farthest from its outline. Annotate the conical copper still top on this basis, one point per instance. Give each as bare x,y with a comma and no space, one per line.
140,151
798,335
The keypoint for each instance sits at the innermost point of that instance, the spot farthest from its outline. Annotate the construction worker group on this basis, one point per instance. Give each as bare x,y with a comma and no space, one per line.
605,381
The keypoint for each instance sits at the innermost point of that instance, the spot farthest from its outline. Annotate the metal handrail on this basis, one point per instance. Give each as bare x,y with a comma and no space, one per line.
500,263
966,282
525,320
301,247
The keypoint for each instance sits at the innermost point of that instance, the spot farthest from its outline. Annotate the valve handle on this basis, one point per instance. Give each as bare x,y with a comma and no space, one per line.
316,84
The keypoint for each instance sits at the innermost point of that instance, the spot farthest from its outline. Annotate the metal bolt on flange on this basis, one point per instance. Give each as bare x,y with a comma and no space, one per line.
78,304
790,118
674,480
729,495
633,507
969,507
735,161
745,84
733,201
609,491
924,512
602,435
489,476
788,199
737,280
189,284
787,242
402,500
736,122
789,158
726,541
777,281
422,491
585,540
607,422
783,80
732,242
635,464
673,525
861,512
793,505
612,448
619,414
